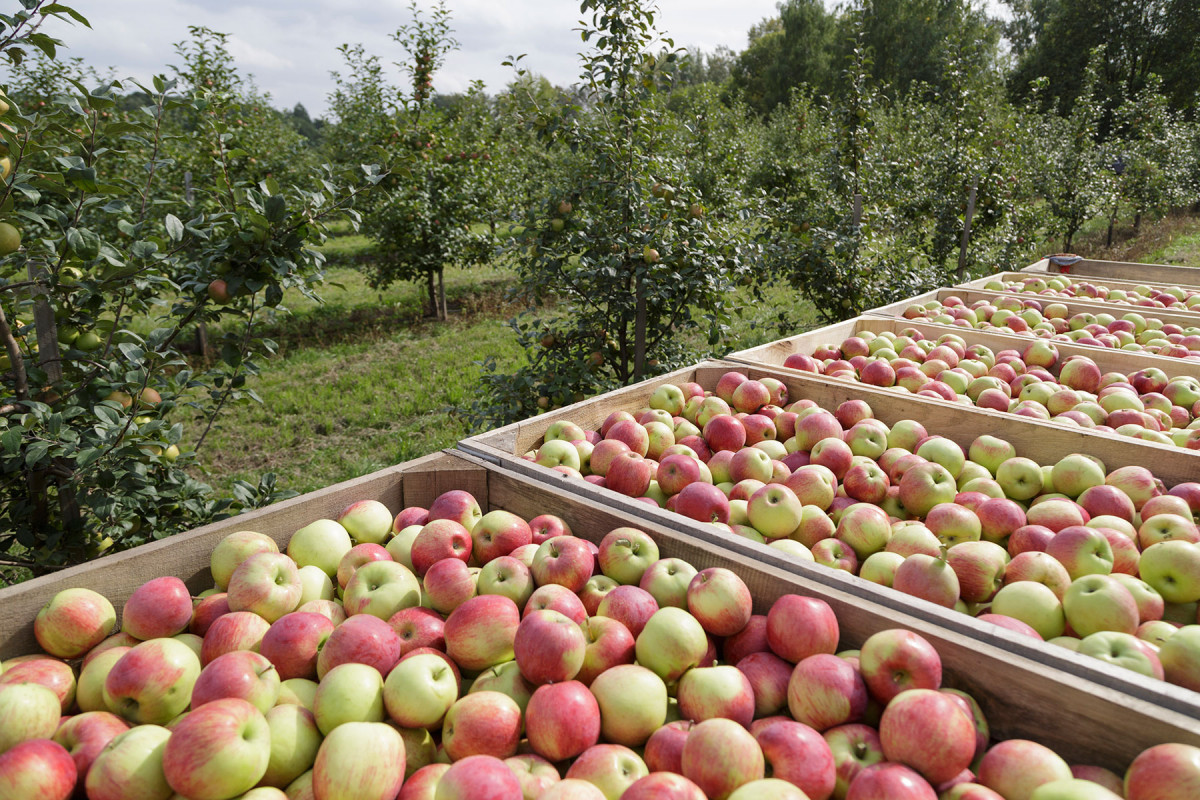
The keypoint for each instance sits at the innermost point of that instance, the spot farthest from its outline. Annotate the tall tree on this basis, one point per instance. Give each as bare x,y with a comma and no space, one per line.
792,49
1052,39
908,39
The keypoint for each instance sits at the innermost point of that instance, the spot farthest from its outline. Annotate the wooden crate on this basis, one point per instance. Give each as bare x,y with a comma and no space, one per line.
1148,273
1107,358
1084,720
1044,442
1074,306
1108,283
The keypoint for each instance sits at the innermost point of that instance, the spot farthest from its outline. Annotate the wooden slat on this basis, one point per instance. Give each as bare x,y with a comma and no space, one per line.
1108,283
1162,273
1107,358
1074,306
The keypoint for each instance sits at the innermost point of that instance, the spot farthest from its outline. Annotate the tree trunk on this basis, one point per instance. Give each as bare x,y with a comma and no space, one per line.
431,285
443,312
639,334
1137,223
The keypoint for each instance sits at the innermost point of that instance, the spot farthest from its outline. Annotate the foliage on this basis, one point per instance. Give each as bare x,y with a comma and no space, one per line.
625,255
93,449
797,47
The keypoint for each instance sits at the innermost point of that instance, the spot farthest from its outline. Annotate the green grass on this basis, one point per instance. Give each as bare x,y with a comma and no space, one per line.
1184,250
335,412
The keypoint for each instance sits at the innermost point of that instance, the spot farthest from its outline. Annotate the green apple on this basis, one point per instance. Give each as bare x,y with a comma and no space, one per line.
349,693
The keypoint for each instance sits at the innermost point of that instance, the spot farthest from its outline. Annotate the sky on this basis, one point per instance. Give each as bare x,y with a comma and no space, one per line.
290,46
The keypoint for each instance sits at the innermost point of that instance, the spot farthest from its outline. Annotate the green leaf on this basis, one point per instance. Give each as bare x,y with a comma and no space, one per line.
174,227
11,439
36,452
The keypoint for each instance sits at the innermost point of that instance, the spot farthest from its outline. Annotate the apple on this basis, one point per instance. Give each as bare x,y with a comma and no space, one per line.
237,630
457,505
891,781
769,676
626,553
364,639
152,683
672,642
1021,478
717,691
235,548
322,544
419,691
632,606
562,720
702,502
930,578
563,560
348,693
267,584
865,528
667,580
1034,604
1122,650
557,598
355,557
211,607
380,589
1172,568
925,486
595,590
797,754
30,711
292,642
86,735
798,627
720,601
1167,771
980,567
130,766
535,774
1040,567
1180,657
360,761
629,474
448,584
854,747
507,576
611,768
664,786
894,660
73,622
609,643
159,608
928,731
480,633
295,740
506,679
1095,603
1016,767
440,538
549,647
242,674
825,691
219,750
720,755
367,521
576,789
482,723
38,768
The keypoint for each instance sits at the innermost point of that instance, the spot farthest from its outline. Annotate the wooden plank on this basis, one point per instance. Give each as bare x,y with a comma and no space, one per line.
187,555
1074,305
1107,358
1085,720
1164,273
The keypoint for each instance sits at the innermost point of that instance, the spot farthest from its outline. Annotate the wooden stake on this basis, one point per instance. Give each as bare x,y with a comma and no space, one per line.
966,234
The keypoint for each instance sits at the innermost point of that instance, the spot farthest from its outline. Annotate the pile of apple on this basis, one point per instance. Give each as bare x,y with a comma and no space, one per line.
1033,382
1167,297
1105,563
1131,331
451,655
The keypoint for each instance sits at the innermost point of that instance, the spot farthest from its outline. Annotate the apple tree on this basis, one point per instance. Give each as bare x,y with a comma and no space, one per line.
102,276
620,262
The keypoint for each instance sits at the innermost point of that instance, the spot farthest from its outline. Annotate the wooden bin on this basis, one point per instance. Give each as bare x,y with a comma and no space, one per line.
1074,306
1044,442
1123,270
1108,283
1107,358
1084,721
